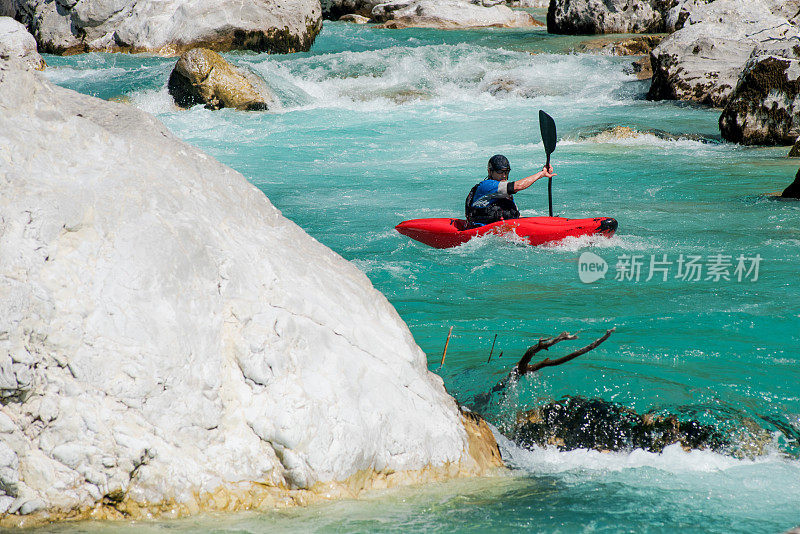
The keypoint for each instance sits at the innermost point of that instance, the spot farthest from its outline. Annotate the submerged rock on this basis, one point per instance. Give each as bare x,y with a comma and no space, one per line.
170,343
581,423
528,3
627,46
356,19
169,27
764,109
449,14
702,61
620,133
642,68
19,46
793,191
795,150
202,76
576,17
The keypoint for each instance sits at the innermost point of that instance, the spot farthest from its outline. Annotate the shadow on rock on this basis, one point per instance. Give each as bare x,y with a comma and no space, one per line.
581,423
793,191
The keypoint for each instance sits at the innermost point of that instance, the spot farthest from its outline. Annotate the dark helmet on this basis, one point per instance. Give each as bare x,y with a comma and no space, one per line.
499,163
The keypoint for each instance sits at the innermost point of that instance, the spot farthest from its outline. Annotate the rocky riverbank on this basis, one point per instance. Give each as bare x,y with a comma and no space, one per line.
167,27
442,14
738,55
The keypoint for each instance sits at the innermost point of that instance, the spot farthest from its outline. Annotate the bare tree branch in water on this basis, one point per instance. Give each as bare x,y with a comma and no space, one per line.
522,368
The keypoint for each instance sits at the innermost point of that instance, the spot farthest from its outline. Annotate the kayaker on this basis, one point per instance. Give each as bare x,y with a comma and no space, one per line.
491,200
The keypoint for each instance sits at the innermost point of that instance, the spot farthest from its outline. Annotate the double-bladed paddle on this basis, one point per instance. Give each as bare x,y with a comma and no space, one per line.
548,128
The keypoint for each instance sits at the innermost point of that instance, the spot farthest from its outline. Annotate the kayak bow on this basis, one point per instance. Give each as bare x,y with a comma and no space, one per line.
446,233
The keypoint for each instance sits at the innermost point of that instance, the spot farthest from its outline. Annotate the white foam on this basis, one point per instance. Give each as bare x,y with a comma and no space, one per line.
154,102
64,75
626,242
408,76
550,460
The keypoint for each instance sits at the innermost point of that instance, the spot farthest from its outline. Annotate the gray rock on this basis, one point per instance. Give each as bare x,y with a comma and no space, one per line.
449,14
702,61
202,76
577,17
7,8
170,27
17,45
764,109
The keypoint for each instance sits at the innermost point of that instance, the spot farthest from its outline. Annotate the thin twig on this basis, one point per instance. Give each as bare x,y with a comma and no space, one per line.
445,346
491,351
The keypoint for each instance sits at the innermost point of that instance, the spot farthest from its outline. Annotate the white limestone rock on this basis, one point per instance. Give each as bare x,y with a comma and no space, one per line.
702,61
17,45
607,16
166,333
169,27
765,107
447,14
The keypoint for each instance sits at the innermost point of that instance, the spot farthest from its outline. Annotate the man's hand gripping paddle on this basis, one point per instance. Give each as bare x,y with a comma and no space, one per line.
548,128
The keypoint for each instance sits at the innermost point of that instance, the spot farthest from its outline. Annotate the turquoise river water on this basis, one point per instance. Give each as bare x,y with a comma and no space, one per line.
379,126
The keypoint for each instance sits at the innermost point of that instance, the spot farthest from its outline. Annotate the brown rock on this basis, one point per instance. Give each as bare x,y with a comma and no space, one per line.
202,76
642,68
629,46
482,445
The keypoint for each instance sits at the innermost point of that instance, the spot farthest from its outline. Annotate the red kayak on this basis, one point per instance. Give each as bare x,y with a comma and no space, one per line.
446,233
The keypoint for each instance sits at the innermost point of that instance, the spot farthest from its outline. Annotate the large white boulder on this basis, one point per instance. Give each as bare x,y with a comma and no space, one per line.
17,45
702,61
170,27
764,109
448,14
169,342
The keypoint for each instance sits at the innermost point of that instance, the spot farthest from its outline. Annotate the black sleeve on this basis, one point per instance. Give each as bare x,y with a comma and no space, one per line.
511,189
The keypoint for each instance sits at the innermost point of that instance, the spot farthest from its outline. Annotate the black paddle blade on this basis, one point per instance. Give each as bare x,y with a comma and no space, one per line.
548,128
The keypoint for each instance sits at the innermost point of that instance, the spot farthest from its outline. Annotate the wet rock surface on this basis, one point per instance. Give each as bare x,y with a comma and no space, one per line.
793,191
626,46
202,76
764,109
581,423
